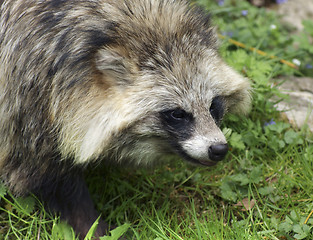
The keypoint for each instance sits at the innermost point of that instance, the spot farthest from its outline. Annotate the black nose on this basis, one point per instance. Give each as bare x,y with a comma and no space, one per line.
218,152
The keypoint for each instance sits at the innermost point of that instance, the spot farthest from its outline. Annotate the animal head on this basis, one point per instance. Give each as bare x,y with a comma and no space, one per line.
160,87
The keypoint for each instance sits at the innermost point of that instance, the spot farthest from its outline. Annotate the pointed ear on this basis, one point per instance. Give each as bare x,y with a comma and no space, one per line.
113,66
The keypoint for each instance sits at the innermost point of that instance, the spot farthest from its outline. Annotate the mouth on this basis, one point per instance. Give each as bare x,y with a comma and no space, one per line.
198,162
202,162
206,163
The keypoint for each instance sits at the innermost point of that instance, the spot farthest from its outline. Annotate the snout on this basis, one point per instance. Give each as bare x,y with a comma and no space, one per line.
203,151
217,152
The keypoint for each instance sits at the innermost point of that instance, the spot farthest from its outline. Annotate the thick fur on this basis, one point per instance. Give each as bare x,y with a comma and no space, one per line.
82,81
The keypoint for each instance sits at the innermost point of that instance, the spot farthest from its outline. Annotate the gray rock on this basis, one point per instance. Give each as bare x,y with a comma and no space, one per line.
299,107
294,12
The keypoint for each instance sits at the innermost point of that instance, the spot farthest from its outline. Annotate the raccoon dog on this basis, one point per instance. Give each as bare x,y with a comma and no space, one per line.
125,81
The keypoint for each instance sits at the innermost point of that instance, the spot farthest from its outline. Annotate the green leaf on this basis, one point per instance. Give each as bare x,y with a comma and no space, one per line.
274,222
243,179
256,174
292,137
227,192
294,216
3,190
92,230
266,190
227,132
236,141
62,231
25,205
302,231
278,127
308,26
285,227
117,232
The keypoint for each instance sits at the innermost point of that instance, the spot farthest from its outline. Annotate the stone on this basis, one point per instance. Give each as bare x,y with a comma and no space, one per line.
294,12
298,108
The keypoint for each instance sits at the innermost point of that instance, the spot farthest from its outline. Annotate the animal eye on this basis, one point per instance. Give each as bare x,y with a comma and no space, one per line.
175,117
217,108
178,114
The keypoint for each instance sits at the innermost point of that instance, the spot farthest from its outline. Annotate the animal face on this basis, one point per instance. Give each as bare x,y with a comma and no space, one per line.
178,108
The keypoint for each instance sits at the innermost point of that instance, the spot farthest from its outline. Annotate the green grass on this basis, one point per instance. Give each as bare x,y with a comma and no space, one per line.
262,191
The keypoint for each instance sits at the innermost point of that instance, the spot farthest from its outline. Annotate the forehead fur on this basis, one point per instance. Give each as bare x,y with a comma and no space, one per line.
169,40
155,30
172,47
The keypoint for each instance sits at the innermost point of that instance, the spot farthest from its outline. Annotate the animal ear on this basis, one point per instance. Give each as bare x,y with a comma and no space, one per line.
236,91
112,65
239,101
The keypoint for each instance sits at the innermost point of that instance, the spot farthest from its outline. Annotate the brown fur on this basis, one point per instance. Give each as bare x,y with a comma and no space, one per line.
87,80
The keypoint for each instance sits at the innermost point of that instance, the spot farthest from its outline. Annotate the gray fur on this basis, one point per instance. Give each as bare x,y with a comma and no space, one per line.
82,81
